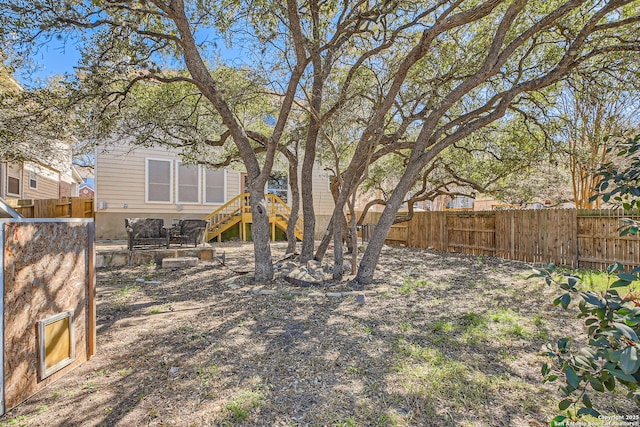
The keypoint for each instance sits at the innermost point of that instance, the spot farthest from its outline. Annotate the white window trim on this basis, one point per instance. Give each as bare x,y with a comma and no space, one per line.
33,176
146,180
225,199
198,182
19,185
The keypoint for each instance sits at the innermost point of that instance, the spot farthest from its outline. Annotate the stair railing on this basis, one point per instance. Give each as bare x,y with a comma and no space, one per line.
277,206
230,209
240,204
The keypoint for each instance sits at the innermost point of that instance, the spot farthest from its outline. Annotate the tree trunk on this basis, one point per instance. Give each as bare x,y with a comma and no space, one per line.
295,205
326,239
334,187
324,243
339,200
346,233
210,89
338,260
353,230
260,233
308,212
374,247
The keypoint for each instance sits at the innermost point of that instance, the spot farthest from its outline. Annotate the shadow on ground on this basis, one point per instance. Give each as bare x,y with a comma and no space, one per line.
441,340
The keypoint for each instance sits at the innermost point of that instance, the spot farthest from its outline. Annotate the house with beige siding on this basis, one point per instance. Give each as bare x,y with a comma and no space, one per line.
156,183
35,180
48,177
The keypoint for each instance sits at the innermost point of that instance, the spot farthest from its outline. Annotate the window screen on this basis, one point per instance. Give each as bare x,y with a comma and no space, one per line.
33,180
13,185
159,180
187,183
214,186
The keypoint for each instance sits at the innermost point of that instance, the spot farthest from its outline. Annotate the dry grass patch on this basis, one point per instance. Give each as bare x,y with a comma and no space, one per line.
441,340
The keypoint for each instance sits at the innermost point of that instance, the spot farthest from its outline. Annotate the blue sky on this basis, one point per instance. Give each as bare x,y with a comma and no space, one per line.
58,57
52,59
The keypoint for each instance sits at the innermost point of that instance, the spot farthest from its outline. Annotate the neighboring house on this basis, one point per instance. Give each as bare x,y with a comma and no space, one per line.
37,180
440,203
461,202
155,183
85,190
488,203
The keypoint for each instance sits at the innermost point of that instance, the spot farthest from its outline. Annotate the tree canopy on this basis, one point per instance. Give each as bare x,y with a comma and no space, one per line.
30,121
407,77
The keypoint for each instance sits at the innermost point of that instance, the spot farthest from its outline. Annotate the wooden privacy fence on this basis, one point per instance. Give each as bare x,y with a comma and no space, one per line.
578,238
72,207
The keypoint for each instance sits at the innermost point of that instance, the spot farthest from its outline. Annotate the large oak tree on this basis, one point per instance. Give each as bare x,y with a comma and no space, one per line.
478,63
461,65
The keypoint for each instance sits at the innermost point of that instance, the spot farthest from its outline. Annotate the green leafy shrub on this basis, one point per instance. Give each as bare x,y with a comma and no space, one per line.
611,316
610,358
620,181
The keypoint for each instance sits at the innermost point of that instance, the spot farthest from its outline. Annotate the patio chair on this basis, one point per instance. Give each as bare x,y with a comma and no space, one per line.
189,231
145,231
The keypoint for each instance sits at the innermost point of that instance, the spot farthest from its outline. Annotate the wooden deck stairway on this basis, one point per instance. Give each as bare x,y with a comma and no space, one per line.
238,211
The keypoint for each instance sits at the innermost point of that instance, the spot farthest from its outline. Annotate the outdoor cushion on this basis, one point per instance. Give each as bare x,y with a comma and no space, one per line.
190,231
145,231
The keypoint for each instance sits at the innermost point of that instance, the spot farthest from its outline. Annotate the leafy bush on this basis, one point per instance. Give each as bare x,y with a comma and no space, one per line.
612,321
620,181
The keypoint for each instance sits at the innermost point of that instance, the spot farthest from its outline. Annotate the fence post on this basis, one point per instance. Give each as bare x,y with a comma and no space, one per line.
512,249
577,240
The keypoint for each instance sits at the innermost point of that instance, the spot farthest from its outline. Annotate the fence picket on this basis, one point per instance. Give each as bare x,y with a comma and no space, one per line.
584,238
73,207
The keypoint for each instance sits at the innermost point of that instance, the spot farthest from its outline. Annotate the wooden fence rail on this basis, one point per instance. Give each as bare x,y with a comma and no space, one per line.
578,238
73,207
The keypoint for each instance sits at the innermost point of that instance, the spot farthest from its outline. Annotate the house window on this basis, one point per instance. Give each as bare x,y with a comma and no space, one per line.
33,180
13,185
278,184
214,186
159,179
188,188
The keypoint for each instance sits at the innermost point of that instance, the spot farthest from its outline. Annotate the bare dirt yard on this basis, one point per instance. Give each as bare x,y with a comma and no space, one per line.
439,340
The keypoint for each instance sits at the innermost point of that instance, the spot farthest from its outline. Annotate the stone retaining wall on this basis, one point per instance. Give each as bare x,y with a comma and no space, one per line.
122,257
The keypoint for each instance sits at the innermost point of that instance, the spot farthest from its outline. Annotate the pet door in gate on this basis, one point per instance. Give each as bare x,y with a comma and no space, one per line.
55,339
